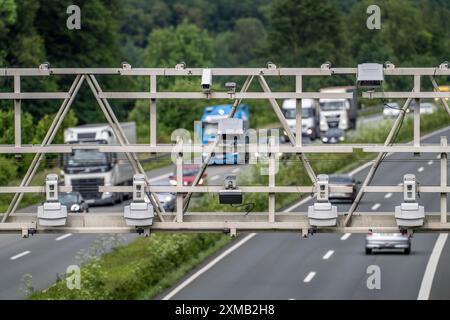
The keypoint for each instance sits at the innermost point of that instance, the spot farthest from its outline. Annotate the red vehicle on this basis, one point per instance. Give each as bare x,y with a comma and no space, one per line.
189,174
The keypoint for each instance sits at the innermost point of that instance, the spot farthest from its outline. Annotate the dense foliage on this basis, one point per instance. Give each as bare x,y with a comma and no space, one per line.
160,33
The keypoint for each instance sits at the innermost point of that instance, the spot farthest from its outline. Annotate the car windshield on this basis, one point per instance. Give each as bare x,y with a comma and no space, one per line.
339,179
210,129
332,105
190,171
290,113
86,158
68,198
391,106
334,132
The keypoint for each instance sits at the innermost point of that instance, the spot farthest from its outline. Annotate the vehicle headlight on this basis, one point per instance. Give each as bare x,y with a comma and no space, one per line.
75,207
279,154
168,198
309,131
173,182
200,181
325,139
341,138
256,154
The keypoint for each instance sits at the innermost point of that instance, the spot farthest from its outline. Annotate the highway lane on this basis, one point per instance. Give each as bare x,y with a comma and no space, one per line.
48,257
275,266
65,250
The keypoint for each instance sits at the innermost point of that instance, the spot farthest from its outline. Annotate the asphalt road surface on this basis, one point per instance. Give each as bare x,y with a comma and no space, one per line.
46,256
330,266
271,259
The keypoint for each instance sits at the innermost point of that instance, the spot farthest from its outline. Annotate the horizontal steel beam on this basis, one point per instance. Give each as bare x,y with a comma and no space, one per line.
436,148
221,222
168,148
399,189
252,148
244,189
32,189
405,95
216,71
34,96
224,95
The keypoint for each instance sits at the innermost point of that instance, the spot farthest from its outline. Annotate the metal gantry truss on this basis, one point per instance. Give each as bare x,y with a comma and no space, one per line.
219,221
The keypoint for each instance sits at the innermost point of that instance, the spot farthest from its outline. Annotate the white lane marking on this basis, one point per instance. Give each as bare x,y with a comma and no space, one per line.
328,255
236,170
166,175
430,162
301,202
298,204
366,165
17,256
427,281
214,178
309,277
346,236
207,267
388,195
291,299
375,206
420,169
64,236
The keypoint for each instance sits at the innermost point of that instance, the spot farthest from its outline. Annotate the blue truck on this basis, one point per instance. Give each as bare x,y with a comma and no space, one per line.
209,128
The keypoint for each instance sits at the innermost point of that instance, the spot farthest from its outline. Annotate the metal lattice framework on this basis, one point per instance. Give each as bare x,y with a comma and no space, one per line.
219,221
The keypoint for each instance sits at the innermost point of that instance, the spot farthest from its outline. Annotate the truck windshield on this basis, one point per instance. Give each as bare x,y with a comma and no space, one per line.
68,198
332,106
210,129
290,113
87,158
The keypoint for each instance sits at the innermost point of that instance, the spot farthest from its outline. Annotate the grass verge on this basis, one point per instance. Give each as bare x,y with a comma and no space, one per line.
140,270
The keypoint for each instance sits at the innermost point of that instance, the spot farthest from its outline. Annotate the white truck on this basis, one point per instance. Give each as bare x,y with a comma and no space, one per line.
338,113
87,169
310,116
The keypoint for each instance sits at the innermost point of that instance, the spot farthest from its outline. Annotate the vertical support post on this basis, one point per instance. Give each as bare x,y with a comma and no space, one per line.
17,114
271,182
417,112
180,184
153,112
443,181
298,112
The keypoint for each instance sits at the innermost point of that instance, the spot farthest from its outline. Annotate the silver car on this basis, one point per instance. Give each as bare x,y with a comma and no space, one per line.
398,241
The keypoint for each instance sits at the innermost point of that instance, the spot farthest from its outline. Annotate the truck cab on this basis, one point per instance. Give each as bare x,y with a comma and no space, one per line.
338,113
209,130
310,116
87,169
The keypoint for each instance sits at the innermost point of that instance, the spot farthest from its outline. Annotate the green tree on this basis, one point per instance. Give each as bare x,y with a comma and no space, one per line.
8,15
306,33
95,45
245,45
166,48
186,42
394,41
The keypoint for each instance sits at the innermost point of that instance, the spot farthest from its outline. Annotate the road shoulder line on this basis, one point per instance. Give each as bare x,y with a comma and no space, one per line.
207,267
427,281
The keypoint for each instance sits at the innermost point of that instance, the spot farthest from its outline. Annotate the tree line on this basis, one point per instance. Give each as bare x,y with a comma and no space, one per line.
202,33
